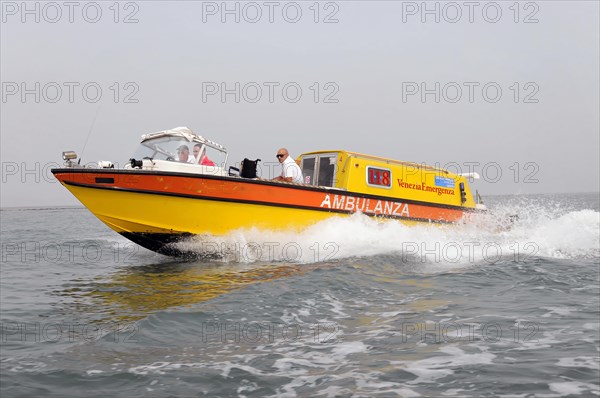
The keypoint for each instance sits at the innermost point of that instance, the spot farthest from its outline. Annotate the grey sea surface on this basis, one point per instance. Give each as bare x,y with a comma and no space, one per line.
505,305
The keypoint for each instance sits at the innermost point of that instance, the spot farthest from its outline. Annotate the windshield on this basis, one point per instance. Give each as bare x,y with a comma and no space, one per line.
164,148
178,149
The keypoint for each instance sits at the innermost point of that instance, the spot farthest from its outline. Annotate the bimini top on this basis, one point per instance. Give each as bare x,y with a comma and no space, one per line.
186,134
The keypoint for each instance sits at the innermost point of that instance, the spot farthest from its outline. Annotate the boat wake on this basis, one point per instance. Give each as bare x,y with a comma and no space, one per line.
516,231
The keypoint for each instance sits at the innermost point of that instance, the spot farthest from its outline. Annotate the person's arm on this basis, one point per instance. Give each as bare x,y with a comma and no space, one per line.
288,174
281,178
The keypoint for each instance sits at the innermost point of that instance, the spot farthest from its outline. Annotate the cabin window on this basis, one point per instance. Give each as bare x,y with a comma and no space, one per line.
327,170
378,177
319,170
308,169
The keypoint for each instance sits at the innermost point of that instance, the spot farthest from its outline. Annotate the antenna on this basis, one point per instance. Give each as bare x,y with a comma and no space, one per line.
89,133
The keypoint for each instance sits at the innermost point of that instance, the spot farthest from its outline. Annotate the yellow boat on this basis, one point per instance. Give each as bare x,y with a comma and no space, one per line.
157,199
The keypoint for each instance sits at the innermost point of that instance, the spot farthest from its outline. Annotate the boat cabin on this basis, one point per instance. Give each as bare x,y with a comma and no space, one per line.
372,175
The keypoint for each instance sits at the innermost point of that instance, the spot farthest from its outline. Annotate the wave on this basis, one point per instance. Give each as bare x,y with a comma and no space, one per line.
518,230
37,208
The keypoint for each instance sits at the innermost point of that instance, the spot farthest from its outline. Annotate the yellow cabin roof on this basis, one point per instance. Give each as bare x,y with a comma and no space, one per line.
379,158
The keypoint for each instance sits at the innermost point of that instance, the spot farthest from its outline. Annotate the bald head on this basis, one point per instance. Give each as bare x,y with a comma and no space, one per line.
282,154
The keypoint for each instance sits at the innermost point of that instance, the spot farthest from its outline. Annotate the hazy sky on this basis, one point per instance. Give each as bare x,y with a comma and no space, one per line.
508,89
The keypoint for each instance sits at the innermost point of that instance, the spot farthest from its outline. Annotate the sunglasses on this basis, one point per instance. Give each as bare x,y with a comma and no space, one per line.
279,155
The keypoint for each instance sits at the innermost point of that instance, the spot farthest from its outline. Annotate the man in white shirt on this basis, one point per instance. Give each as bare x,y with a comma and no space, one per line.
183,155
291,171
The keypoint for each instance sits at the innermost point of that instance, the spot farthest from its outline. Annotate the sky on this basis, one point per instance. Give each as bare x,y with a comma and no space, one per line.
507,89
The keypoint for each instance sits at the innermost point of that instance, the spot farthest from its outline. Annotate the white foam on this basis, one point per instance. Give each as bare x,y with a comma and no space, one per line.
162,367
571,235
548,231
430,369
334,391
452,392
248,386
342,350
382,387
562,311
580,362
573,388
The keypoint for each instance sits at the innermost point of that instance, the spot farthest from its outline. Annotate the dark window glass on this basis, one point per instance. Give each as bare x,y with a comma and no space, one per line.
327,171
308,170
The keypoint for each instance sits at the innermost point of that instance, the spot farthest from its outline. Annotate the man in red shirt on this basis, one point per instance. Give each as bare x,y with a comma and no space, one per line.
203,160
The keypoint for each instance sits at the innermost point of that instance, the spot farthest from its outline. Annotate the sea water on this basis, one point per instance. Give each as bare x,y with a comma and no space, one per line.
506,304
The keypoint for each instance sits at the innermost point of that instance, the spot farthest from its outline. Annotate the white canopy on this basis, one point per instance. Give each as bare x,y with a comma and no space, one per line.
183,132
